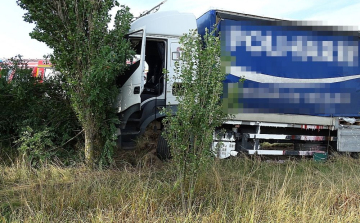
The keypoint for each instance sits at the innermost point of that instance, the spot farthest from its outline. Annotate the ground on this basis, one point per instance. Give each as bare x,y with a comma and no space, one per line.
239,189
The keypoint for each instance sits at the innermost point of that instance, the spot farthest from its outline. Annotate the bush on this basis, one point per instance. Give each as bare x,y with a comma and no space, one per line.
34,113
190,132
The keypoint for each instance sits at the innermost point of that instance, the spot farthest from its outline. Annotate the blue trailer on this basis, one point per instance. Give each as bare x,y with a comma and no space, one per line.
301,86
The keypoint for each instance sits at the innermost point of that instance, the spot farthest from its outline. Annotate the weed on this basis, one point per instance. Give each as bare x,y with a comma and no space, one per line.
233,190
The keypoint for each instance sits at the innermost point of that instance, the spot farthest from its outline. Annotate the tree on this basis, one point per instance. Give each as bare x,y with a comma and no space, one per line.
190,132
90,56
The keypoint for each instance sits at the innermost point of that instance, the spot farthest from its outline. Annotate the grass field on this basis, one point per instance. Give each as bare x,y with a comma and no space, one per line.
233,190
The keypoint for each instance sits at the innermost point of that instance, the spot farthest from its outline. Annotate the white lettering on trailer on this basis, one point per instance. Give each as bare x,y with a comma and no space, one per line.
302,48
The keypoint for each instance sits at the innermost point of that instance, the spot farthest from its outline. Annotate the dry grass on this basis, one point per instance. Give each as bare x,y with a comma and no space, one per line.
234,190
144,153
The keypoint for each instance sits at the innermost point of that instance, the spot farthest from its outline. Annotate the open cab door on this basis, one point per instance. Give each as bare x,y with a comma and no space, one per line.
132,83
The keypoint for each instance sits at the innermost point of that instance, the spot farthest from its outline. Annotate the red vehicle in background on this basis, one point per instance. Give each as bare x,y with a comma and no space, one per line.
40,69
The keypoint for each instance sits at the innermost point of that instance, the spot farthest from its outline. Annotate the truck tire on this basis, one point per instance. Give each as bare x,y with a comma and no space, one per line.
163,149
118,141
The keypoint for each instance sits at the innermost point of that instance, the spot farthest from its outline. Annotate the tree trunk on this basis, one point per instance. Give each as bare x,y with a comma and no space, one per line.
89,148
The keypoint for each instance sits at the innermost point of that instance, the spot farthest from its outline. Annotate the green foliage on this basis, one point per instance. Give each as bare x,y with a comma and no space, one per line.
90,56
190,132
35,115
35,146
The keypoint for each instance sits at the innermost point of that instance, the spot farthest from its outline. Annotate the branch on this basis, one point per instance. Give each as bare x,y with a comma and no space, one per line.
72,138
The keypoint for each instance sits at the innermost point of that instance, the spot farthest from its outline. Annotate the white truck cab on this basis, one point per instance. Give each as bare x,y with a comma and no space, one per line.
155,38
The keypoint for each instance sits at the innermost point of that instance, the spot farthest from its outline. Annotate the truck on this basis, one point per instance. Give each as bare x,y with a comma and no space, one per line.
302,82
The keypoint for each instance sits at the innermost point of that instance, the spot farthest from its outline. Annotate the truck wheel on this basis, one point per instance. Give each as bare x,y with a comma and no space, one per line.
163,149
119,142
354,155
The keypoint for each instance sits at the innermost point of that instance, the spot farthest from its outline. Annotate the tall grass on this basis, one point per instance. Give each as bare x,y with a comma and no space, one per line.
234,190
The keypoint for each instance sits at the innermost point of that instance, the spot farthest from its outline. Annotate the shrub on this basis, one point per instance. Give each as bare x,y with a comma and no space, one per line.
33,113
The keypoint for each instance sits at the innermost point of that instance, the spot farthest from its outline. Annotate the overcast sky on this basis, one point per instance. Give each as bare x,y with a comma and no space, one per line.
14,32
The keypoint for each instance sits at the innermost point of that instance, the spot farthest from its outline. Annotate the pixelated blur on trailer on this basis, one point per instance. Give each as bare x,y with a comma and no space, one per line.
289,67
